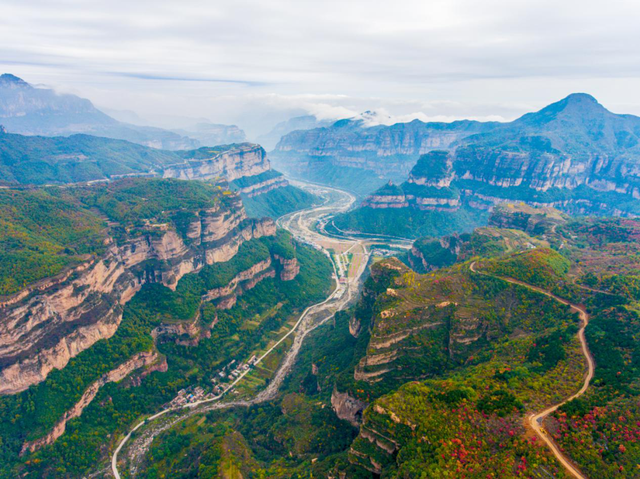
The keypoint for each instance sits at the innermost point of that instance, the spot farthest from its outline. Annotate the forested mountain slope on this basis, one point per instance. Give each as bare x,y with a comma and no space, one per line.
134,290
438,371
82,158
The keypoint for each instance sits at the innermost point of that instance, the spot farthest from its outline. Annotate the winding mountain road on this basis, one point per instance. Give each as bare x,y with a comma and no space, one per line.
300,224
535,420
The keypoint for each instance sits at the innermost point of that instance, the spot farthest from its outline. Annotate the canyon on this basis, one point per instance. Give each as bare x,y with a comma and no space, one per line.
574,155
51,321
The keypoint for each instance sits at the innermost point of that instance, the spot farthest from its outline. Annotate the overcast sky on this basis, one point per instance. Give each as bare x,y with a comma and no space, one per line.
253,62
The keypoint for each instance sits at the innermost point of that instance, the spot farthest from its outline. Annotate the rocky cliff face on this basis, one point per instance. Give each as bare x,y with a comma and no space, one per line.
139,361
574,155
427,189
245,166
231,163
263,186
289,268
381,149
347,407
44,326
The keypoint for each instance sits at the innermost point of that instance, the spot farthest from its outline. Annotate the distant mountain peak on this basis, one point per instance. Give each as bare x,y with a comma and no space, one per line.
11,80
580,98
575,107
582,102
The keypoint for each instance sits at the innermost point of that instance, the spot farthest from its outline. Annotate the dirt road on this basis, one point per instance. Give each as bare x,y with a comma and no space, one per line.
535,420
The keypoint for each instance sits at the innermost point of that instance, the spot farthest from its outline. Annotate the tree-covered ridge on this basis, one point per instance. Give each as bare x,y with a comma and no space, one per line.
429,325
465,418
235,334
43,231
541,267
589,261
454,407
137,201
409,222
448,429
278,202
432,165
78,158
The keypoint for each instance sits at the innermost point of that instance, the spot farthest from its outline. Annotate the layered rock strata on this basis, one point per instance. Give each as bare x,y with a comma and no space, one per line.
263,187
237,161
47,324
574,154
139,361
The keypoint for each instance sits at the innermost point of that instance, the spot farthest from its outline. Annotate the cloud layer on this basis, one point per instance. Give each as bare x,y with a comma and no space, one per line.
255,62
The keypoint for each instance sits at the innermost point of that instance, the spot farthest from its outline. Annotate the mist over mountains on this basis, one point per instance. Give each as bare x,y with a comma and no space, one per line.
28,110
573,142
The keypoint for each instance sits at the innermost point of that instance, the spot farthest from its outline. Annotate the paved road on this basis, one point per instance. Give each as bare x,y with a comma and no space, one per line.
535,420
300,224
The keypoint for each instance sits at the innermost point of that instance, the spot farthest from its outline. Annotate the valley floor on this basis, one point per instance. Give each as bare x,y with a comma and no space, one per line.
132,448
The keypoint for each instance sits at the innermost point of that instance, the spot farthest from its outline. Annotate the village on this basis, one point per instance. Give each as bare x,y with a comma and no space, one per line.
221,381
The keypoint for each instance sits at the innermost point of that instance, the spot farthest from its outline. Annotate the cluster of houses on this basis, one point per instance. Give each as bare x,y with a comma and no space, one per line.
231,372
221,381
189,395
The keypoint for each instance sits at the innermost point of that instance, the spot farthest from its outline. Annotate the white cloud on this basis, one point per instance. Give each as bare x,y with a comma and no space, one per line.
252,62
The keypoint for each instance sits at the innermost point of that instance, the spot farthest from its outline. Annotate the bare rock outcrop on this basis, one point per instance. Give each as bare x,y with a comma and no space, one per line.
289,268
236,161
47,324
140,360
347,407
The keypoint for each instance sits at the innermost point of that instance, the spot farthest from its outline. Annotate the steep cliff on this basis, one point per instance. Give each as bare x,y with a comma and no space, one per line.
428,187
53,320
388,151
139,361
226,161
244,165
574,155
222,311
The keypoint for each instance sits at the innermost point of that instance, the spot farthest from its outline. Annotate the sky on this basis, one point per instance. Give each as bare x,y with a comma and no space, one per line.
256,62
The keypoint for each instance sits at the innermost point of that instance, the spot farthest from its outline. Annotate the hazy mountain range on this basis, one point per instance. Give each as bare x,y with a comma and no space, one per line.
28,110
572,143
298,123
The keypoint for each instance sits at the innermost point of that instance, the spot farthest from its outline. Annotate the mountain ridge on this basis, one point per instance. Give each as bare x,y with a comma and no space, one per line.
29,110
577,125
